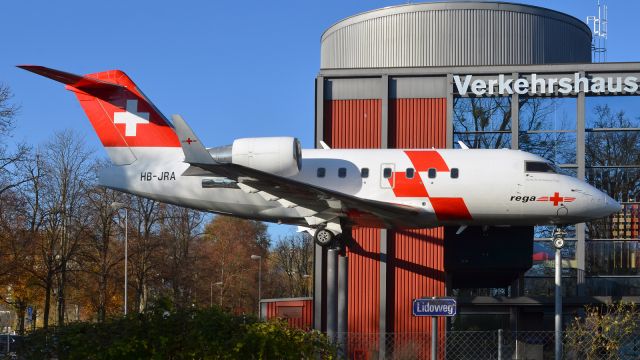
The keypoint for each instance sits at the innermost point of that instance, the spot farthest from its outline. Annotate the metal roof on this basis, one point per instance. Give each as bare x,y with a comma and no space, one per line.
455,34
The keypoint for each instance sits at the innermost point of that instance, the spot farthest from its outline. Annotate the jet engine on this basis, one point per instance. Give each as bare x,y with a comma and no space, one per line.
276,155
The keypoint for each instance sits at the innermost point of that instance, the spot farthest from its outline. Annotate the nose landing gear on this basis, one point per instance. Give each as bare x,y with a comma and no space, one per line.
559,234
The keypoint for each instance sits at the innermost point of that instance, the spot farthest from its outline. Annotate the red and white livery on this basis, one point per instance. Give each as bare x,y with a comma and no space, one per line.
272,179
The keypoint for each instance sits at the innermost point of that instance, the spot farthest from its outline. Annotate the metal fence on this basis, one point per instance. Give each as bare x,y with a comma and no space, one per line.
8,344
489,345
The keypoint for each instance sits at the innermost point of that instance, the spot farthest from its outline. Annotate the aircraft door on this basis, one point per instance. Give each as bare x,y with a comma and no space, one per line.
387,176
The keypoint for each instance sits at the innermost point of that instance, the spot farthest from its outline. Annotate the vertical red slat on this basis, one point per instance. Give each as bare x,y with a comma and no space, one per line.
417,123
364,281
305,321
417,264
358,124
352,124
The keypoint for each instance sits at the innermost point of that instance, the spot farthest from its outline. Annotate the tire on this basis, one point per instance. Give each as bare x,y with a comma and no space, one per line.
558,243
323,237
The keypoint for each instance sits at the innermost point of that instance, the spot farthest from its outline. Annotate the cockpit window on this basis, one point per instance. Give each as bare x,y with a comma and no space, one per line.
539,166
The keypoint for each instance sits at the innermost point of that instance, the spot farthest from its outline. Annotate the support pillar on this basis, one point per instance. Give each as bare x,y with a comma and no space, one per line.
332,294
343,296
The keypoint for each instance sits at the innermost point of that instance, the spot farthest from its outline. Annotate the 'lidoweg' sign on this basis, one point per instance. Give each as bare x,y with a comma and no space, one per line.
434,307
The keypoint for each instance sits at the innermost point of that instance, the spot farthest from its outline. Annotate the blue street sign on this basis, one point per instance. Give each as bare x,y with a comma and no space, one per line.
434,307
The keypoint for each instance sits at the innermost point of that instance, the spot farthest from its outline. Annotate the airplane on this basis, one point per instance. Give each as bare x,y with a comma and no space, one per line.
328,191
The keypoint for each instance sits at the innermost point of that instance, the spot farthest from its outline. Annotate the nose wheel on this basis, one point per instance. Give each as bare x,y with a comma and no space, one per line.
558,237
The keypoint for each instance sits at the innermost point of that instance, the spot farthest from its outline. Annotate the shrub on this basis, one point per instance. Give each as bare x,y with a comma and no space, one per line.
602,331
187,334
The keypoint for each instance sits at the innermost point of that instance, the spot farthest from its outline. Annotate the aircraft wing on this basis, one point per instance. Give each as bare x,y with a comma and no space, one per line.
317,204
324,202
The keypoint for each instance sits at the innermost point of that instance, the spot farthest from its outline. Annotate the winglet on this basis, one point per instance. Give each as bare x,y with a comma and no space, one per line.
194,151
463,145
324,145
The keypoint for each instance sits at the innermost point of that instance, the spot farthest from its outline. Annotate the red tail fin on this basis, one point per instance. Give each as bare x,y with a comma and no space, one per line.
120,114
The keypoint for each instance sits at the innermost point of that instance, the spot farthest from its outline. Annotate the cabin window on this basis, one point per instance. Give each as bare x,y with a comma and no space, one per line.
455,173
342,172
432,173
321,172
364,173
386,173
410,173
539,166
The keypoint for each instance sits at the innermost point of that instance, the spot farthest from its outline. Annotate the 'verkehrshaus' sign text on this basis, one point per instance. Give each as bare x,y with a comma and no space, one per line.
536,85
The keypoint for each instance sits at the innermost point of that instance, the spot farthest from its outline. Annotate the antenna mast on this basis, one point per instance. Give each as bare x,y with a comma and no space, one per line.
598,26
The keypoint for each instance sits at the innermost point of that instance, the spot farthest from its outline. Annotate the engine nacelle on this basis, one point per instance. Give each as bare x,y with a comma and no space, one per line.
276,155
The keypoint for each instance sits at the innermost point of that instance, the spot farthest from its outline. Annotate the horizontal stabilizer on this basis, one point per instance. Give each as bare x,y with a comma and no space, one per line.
77,81
196,171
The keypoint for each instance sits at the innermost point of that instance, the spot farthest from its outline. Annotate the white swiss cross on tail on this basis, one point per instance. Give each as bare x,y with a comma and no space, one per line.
131,118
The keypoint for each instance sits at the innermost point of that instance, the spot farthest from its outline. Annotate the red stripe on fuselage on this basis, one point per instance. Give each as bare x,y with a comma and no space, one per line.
453,208
405,187
450,209
425,160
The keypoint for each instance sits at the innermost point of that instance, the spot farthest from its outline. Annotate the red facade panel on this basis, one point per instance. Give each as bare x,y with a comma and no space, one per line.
357,124
364,281
298,313
416,257
418,271
417,123
352,124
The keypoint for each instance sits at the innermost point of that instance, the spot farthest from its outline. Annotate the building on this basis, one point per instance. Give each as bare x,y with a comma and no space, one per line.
297,312
492,75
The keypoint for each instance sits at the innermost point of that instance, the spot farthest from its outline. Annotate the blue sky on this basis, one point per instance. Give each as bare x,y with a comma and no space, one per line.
231,69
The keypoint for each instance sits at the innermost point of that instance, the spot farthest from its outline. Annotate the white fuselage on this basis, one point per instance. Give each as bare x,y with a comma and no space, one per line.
492,185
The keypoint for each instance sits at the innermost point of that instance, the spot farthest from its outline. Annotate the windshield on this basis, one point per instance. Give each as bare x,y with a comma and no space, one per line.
539,166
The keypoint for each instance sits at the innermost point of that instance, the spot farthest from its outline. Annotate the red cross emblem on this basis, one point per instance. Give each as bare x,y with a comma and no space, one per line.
189,140
556,198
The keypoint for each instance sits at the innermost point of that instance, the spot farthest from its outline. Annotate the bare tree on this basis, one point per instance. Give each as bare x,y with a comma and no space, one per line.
181,229
292,259
10,160
68,173
144,244
102,254
483,123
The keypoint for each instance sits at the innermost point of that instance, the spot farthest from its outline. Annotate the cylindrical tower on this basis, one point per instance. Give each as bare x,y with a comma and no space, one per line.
455,34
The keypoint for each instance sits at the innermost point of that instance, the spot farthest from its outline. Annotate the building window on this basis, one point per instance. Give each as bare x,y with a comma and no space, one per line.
548,128
410,173
342,172
432,173
454,173
364,173
321,172
386,173
612,159
482,123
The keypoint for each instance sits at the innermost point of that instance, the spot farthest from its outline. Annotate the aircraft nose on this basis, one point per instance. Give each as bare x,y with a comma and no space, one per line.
611,206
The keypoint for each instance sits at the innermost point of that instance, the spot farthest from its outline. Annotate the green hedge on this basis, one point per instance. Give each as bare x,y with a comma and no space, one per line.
191,334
